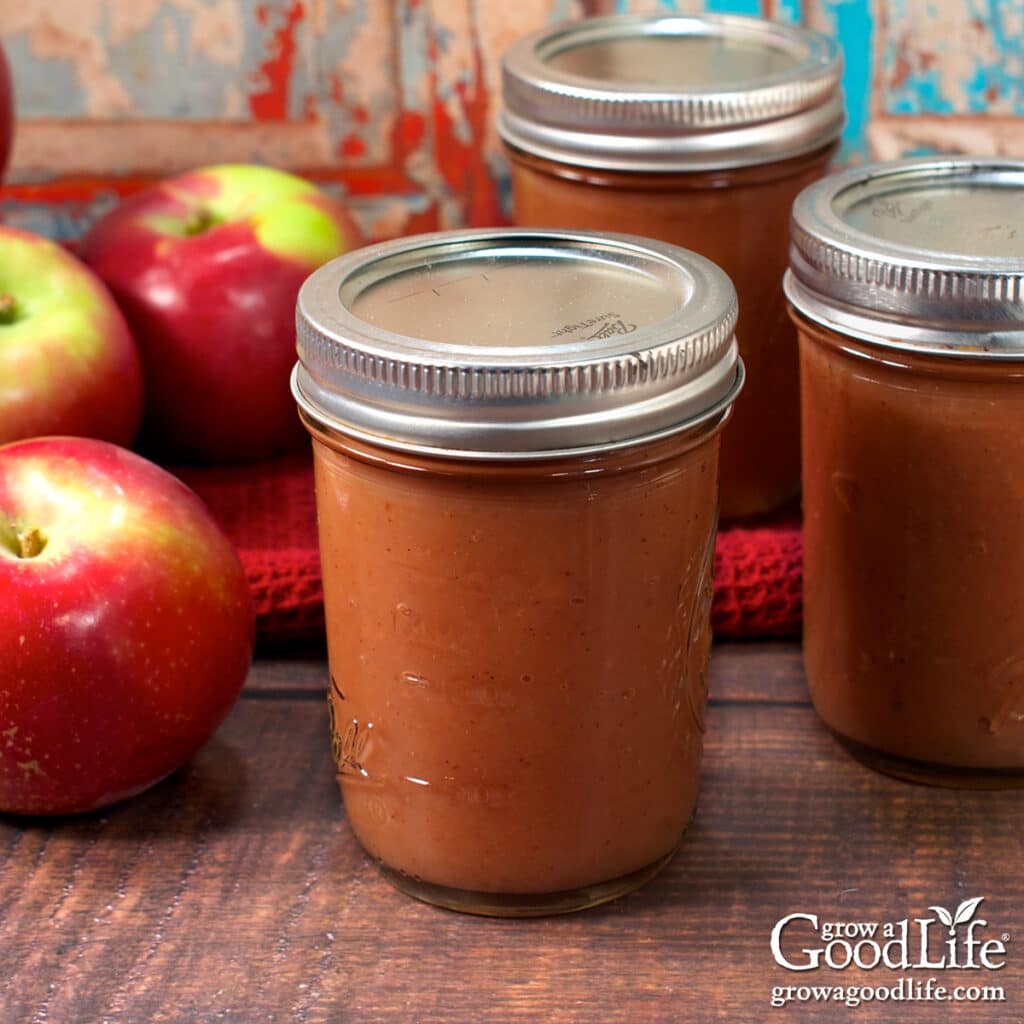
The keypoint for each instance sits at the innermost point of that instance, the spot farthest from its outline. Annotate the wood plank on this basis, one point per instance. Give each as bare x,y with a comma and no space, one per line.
760,673
304,675
235,891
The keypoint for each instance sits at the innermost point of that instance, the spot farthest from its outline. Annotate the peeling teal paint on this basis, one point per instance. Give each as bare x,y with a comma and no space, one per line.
64,221
413,34
173,80
917,59
750,7
1003,77
854,27
789,10
920,93
45,88
337,42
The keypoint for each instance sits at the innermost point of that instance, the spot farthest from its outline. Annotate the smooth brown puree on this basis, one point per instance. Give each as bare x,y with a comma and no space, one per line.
518,655
738,219
914,554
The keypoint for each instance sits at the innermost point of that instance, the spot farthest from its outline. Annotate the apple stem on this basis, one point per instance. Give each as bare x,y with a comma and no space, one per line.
22,543
198,221
31,542
8,309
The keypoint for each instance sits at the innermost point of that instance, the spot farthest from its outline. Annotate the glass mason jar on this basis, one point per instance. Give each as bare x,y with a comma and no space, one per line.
699,131
516,438
907,286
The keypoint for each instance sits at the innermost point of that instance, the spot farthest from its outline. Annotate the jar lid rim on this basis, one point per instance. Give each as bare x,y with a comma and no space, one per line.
402,340
789,104
911,240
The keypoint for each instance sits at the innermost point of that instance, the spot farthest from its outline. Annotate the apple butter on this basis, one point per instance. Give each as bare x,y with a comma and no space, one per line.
699,131
906,285
515,437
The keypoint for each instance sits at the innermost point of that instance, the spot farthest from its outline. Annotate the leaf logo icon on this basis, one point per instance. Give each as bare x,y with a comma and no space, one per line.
963,913
966,910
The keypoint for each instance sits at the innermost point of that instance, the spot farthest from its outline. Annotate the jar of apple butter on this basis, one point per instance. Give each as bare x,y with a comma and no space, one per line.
515,437
907,286
699,131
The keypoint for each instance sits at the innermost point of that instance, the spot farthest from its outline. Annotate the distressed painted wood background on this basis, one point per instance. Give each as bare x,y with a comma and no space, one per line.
392,101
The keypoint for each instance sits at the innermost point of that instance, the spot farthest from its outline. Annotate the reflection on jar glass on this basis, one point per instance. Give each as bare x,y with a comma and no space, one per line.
699,131
517,520
906,284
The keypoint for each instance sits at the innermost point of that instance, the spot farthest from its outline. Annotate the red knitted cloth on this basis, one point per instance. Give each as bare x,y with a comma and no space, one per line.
268,511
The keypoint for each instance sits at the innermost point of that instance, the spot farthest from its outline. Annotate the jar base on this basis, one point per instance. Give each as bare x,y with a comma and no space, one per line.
928,774
492,904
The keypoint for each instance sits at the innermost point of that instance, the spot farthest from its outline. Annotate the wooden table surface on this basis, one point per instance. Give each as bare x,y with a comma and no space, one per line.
235,891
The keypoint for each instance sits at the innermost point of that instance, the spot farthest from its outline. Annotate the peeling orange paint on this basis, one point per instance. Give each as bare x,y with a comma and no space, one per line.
902,67
271,104
462,164
352,145
404,95
362,181
423,222
336,89
74,189
410,132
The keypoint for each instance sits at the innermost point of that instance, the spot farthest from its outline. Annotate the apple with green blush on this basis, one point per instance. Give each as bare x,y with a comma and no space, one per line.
68,364
126,625
207,267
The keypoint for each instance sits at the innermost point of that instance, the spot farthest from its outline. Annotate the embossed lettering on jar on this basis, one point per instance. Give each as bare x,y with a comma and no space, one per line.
516,439
907,286
699,131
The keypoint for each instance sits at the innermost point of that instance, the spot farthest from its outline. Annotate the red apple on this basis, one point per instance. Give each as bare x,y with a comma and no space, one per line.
6,112
126,625
67,362
207,268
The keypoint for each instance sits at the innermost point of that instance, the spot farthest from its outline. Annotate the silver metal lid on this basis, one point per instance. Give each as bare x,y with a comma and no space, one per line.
507,343
925,254
648,93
